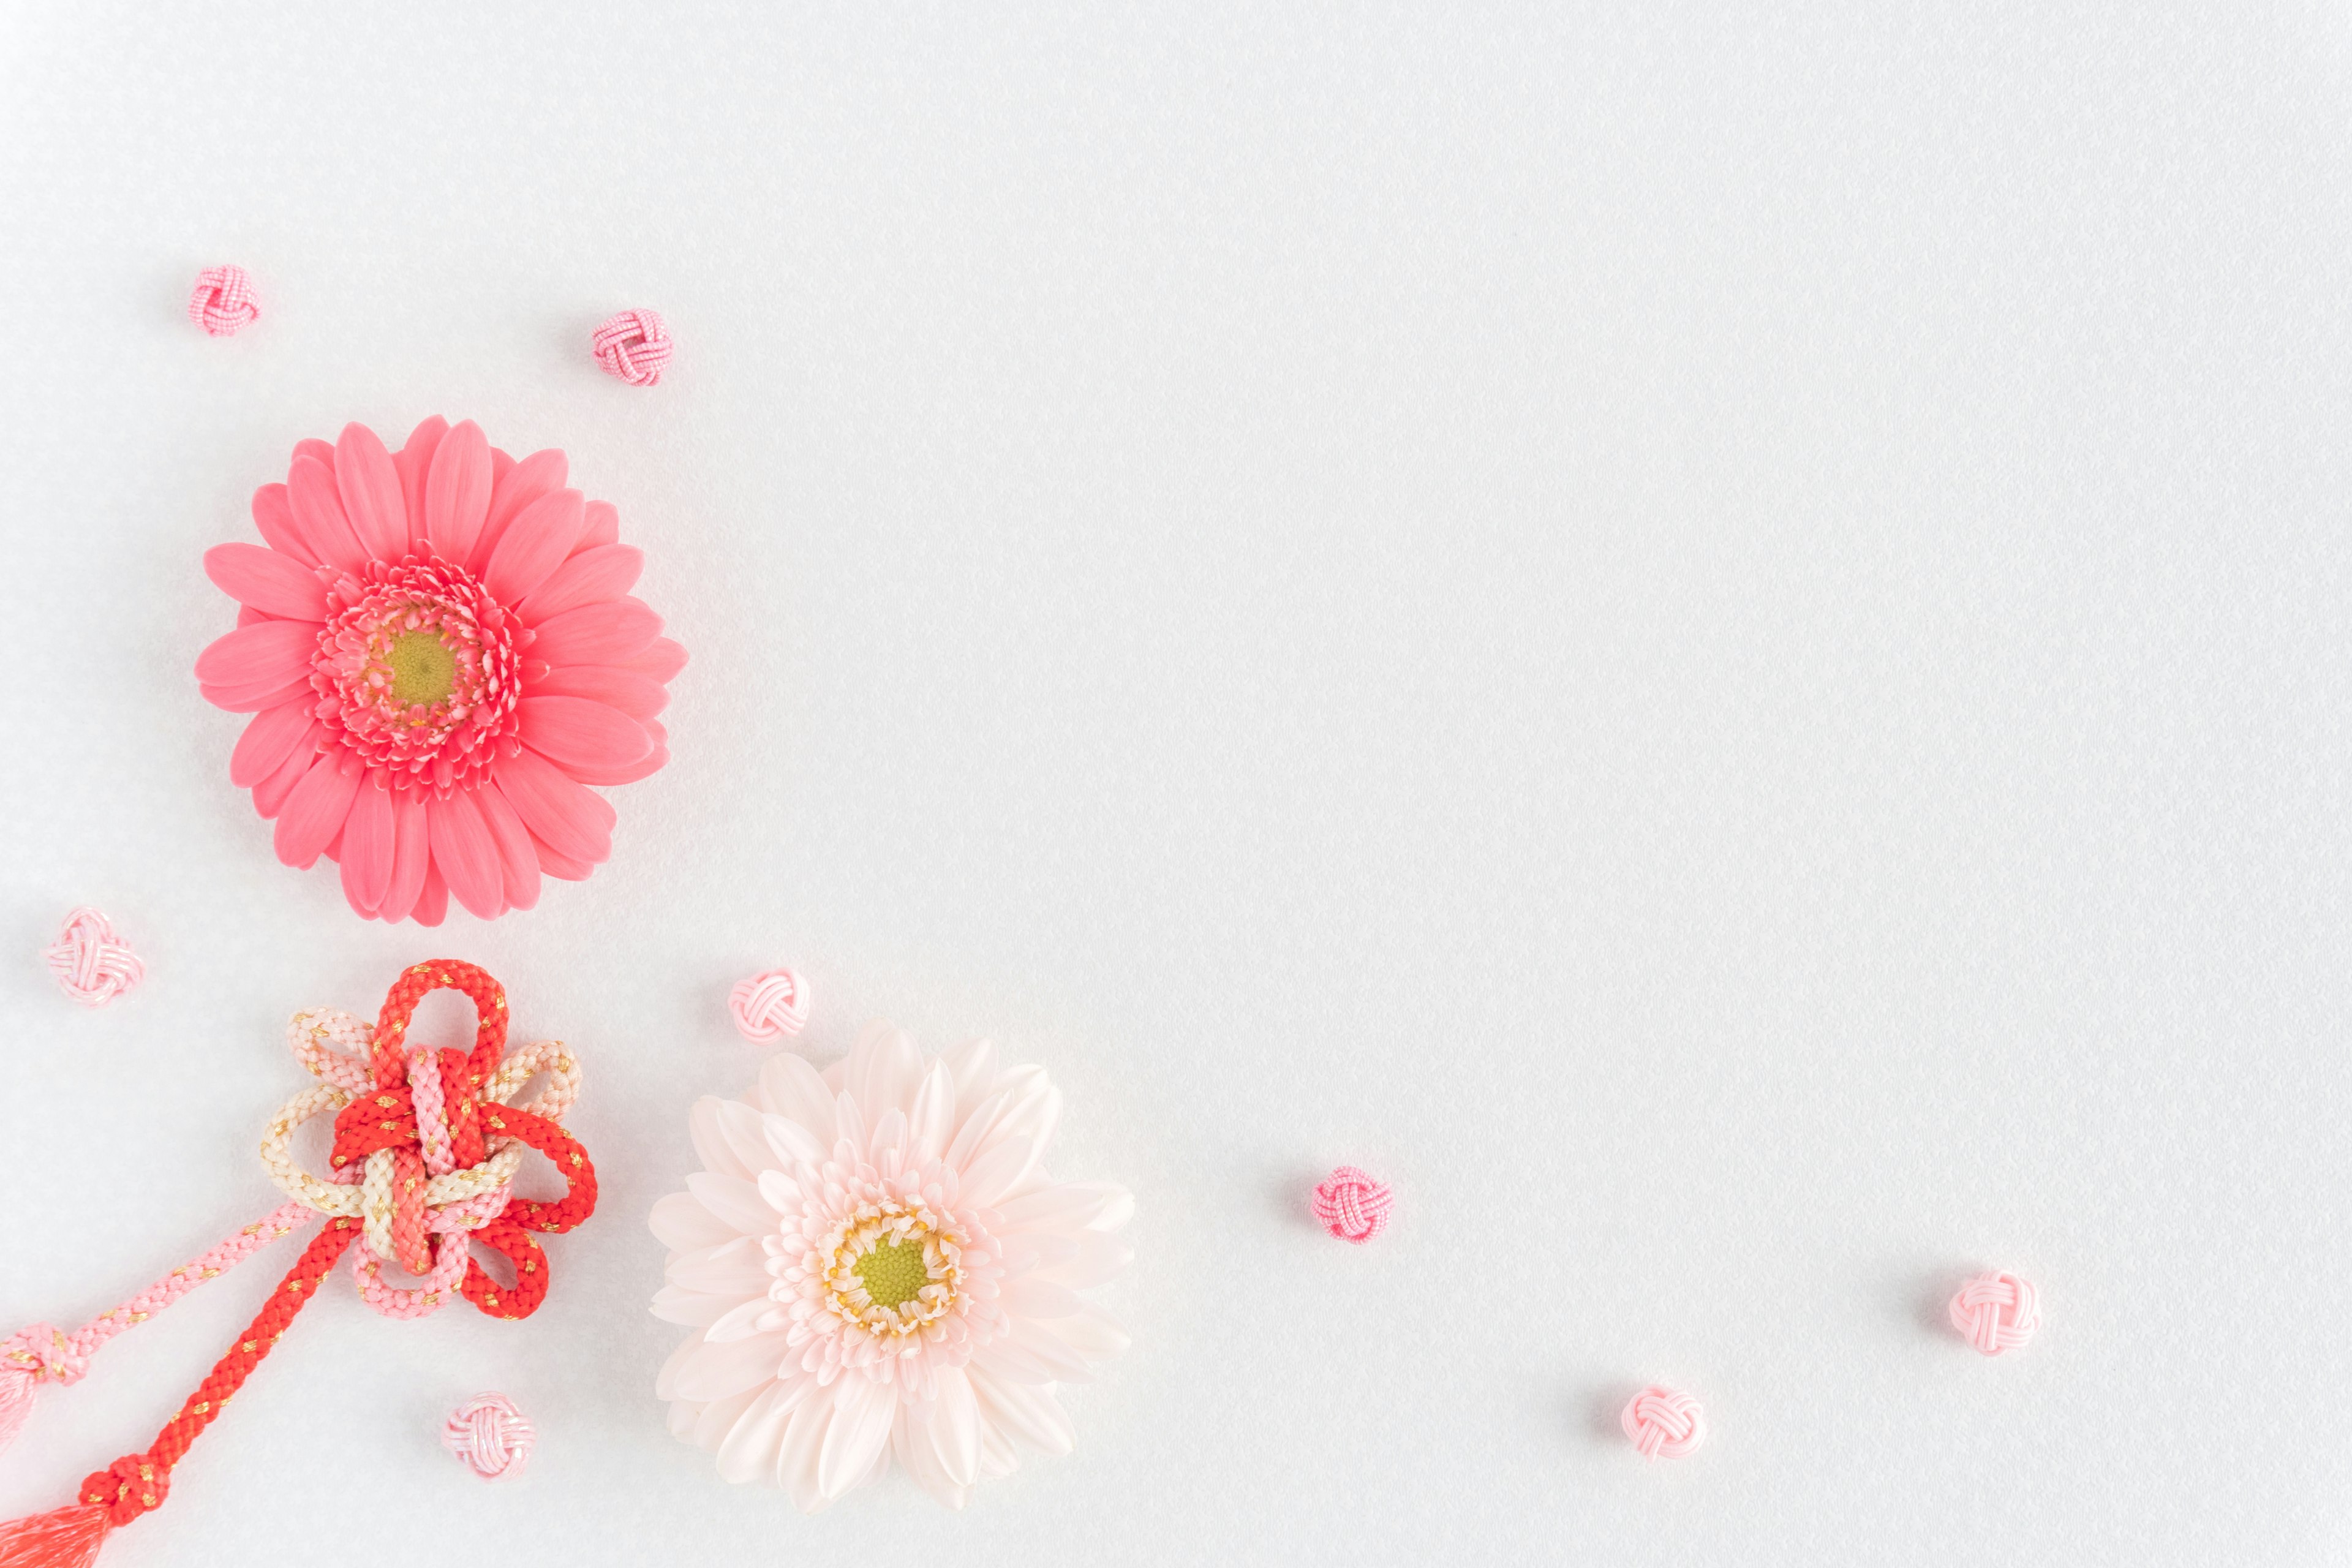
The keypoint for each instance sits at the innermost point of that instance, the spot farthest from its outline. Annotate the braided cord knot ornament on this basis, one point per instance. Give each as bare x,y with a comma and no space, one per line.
90,963
1997,1312
223,300
769,1005
490,1436
1352,1207
633,345
1663,1423
448,1155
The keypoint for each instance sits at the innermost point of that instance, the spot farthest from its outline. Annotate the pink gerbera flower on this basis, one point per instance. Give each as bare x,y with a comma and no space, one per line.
440,653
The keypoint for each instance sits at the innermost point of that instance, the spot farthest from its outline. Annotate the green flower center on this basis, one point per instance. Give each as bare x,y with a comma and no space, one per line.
423,668
893,1272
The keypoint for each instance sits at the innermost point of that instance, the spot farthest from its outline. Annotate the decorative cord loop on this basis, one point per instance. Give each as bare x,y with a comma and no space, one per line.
92,965
1997,1312
769,1005
1663,1423
222,301
1352,1207
490,1436
633,345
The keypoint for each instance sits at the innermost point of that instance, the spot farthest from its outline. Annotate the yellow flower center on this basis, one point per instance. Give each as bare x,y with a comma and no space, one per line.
893,1272
423,668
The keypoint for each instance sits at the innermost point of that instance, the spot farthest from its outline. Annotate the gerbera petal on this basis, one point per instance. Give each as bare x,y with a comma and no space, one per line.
734,1200
698,1308
656,759
796,1091
319,514
560,865
268,581
973,1063
705,1126
952,1422
517,486
271,737
662,660
411,855
269,794
714,1370
796,1460
733,1268
574,732
931,1118
517,858
610,632
263,655
718,1417
412,463
457,492
369,488
588,577
739,1124
681,1224
912,1446
560,812
604,526
862,1410
532,546
255,698
273,514
464,853
998,1171
1031,1414
639,696
1092,1332
314,813
1100,1258
884,1069
1065,1207
431,899
753,1443
370,835
1030,1297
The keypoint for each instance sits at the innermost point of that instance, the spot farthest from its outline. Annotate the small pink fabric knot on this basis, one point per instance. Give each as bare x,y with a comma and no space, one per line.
1663,1423
769,1004
490,1436
92,964
1997,1312
633,345
1351,1206
28,1358
224,301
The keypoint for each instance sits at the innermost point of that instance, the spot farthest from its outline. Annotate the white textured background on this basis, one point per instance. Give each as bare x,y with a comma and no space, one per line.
1717,643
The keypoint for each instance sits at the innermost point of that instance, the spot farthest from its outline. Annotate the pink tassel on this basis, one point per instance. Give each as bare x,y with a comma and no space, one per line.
15,1401
66,1537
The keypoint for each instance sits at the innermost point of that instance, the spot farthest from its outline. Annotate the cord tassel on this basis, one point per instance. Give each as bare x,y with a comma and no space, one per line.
66,1537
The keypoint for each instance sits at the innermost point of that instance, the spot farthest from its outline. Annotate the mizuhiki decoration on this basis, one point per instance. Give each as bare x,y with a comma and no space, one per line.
876,1266
442,657
427,1146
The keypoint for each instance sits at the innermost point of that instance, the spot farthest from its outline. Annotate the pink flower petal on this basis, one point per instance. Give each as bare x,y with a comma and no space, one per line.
560,865
369,837
517,860
609,633
604,526
411,855
464,853
519,486
573,732
274,735
567,817
318,451
273,514
268,581
369,488
457,492
532,546
862,1410
413,462
269,794
319,514
662,660
265,654
314,813
433,901
588,577
639,695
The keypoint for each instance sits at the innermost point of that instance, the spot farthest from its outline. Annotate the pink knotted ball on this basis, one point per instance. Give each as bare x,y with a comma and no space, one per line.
1997,1312
1663,1423
1351,1206
490,1436
633,345
769,1004
92,965
224,301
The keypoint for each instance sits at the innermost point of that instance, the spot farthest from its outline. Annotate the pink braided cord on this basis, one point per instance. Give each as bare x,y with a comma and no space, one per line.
1663,1423
42,1353
440,1286
769,1004
223,300
491,1436
633,345
1352,1207
92,965
1997,1311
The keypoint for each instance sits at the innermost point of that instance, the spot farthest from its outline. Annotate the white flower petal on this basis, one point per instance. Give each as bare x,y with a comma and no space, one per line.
681,1224
931,1118
862,1410
713,1421
693,1308
749,1450
737,1268
742,1321
951,1422
741,1126
992,1174
735,1201
796,1457
849,1124
1100,1258
1033,1111
883,1069
1030,1415
665,1381
780,1192
1065,1207
714,1370
890,1136
1092,1332
911,1445
790,1144
711,1145
973,1065
797,1093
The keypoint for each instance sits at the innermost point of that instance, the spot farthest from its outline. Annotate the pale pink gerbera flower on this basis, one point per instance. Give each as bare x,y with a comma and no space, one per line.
875,1265
441,655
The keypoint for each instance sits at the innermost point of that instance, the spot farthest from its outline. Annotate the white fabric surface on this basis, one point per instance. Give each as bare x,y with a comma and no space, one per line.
1716,644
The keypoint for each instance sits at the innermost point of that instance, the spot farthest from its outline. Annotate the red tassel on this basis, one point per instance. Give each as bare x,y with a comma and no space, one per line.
66,1537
